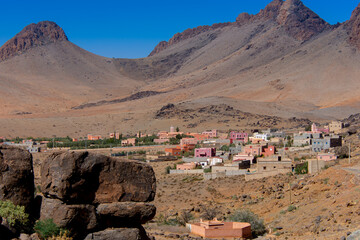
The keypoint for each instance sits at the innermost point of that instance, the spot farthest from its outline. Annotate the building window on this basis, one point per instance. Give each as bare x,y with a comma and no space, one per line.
264,168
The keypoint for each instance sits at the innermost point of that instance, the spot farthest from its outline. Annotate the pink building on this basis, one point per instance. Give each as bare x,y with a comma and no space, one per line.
128,142
217,229
239,136
254,150
326,156
210,133
186,166
315,129
188,141
205,152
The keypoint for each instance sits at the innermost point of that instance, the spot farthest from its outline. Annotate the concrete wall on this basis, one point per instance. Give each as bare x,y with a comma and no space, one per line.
315,165
208,176
193,171
249,177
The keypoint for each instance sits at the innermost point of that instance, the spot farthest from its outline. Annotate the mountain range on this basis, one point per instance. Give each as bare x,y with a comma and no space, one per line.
284,62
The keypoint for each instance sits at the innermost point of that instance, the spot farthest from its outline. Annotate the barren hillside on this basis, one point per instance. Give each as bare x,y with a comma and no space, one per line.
284,61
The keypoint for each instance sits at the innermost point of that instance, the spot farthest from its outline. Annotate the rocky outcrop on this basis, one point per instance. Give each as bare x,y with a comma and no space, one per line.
354,27
86,178
188,33
299,21
16,176
87,193
118,234
32,35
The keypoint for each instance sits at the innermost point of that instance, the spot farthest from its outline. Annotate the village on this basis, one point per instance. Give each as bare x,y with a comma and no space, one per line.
213,154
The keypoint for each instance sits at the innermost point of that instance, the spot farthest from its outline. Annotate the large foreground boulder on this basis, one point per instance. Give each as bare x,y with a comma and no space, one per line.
87,178
88,194
16,176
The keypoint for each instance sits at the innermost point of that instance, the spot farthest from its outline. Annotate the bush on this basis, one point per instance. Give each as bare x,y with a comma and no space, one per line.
14,215
301,168
64,235
47,228
257,224
291,208
184,217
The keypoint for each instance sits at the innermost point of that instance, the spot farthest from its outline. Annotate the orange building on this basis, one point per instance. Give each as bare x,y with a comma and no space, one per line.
269,151
93,137
186,166
218,229
179,150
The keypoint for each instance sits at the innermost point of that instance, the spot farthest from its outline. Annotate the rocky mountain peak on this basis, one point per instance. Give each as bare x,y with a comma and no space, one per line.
354,27
299,21
32,35
271,11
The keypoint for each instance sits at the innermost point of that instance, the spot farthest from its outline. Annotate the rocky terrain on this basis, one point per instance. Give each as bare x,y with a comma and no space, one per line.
274,63
31,36
91,195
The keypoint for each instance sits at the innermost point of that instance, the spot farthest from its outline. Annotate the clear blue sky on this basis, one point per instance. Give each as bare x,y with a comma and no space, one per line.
131,29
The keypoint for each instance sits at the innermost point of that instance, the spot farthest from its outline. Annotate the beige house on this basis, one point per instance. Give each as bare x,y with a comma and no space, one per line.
274,163
336,126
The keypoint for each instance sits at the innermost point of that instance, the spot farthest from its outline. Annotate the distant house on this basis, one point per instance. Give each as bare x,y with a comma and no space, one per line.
315,129
184,141
336,126
254,150
239,136
210,133
186,166
274,163
326,143
244,157
128,142
269,151
218,229
173,152
205,152
326,156
115,135
93,137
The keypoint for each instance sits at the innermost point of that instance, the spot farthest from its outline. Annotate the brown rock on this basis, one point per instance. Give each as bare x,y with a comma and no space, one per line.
78,219
299,21
119,234
16,176
354,27
85,178
32,35
119,214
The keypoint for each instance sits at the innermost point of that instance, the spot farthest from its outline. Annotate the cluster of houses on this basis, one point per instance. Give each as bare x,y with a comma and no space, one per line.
257,154
30,145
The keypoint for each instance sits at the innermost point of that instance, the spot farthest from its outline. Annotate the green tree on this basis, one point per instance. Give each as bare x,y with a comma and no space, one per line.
177,129
13,214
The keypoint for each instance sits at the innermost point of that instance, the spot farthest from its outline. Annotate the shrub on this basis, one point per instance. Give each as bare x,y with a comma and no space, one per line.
301,168
184,217
209,212
257,224
291,208
14,215
64,235
47,228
